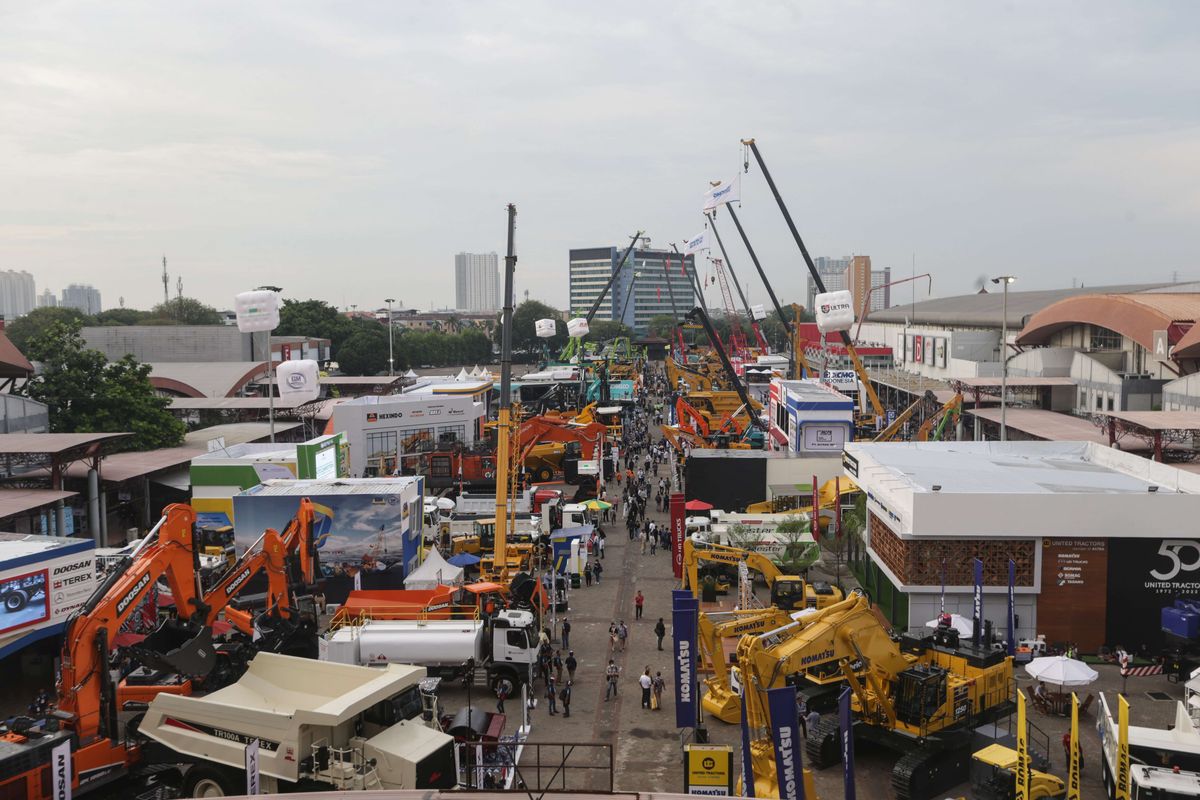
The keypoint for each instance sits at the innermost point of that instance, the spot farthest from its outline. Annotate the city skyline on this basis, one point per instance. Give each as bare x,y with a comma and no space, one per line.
1071,152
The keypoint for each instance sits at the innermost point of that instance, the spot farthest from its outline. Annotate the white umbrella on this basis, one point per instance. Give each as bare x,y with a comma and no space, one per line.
960,623
1061,671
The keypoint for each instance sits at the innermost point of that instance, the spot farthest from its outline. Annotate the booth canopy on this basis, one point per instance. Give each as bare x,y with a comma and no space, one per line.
434,570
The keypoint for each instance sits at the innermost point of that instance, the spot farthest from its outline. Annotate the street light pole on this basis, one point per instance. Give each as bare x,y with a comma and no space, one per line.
1004,280
391,360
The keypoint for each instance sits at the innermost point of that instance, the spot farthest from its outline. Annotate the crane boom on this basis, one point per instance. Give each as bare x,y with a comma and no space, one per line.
698,313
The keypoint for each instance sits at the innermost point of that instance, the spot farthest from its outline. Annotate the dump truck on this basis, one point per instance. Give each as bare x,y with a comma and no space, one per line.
319,726
505,645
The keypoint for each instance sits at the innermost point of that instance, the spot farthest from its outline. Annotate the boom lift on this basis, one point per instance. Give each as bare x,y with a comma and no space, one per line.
921,697
788,592
935,425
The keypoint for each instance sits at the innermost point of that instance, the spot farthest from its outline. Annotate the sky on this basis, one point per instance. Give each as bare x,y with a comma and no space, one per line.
347,151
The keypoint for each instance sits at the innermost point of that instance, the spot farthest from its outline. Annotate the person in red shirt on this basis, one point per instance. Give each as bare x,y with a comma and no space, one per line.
638,601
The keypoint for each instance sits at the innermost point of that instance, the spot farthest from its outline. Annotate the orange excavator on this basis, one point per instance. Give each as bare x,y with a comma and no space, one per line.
544,441
104,746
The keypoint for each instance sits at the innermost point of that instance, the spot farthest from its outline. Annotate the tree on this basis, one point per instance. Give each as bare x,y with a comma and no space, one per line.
123,316
87,393
525,335
36,323
662,325
799,550
187,311
319,319
365,352
604,330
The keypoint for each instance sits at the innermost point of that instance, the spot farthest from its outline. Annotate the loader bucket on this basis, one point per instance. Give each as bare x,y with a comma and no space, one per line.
179,647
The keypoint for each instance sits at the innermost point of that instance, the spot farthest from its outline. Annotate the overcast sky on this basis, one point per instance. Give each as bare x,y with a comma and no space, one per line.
347,151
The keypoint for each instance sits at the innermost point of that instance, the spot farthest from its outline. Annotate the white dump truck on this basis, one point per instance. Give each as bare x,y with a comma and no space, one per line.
319,726
759,533
506,646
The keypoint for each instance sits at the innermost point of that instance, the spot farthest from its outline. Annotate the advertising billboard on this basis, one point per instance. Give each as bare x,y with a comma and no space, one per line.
1145,576
42,581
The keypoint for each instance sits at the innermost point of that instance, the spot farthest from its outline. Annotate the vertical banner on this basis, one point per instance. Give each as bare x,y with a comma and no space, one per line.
252,774
677,533
1022,777
1012,607
977,610
847,727
1073,766
747,762
942,598
837,506
683,630
61,776
816,510
785,730
1122,748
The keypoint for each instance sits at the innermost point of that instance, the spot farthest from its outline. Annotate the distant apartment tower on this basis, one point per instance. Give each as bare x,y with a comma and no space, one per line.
476,282
833,275
644,289
17,294
47,299
881,294
82,297
858,280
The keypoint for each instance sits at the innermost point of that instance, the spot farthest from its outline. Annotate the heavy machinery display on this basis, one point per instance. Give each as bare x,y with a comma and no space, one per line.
994,775
788,592
921,697
721,699
319,726
934,426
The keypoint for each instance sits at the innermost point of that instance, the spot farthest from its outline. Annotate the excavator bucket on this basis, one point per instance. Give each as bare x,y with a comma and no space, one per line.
178,647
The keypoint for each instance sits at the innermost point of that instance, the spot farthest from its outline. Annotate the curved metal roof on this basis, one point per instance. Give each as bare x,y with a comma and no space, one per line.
1135,316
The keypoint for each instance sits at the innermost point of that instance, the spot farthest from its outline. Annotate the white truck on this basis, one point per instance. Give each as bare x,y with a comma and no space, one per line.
319,726
506,646
1162,763
758,533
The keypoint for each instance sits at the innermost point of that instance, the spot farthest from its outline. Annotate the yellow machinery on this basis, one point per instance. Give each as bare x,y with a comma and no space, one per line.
827,496
999,779
720,699
788,592
919,696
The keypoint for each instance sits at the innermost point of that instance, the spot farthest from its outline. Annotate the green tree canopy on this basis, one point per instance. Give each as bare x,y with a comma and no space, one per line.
87,393
525,335
603,330
662,325
23,330
123,316
365,351
186,311
318,318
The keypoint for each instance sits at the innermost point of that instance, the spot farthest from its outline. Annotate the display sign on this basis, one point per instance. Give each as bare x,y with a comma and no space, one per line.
850,464
588,466
847,732
60,776
545,328
823,438
841,378
252,770
939,352
1074,578
785,733
678,531
1143,577
43,592
834,311
901,347
918,349
977,604
708,769
927,350
1162,350
683,632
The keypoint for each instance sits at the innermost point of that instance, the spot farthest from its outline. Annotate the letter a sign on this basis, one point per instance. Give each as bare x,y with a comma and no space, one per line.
1162,346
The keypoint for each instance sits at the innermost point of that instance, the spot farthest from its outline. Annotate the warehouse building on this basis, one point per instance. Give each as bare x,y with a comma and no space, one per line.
1099,536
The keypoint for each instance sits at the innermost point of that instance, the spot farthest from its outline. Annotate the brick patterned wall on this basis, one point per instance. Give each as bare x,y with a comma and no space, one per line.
921,562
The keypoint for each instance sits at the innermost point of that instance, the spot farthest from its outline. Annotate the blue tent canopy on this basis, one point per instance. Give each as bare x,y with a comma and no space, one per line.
464,560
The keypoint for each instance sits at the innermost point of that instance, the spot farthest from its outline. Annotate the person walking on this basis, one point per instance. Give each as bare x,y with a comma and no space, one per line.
654,544
504,688
814,719
572,664
612,638
639,600
597,569
551,694
657,686
566,634
611,674
565,696
622,635
600,543
647,683
557,663
660,630
802,714
587,574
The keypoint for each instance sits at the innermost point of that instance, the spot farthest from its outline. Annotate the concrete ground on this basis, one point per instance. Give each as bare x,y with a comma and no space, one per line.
645,745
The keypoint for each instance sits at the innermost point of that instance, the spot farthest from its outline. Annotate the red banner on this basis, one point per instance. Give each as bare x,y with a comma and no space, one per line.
677,532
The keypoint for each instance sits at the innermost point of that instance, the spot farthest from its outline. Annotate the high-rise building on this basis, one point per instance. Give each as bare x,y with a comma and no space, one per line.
476,282
644,289
833,275
82,297
17,294
47,299
858,280
881,294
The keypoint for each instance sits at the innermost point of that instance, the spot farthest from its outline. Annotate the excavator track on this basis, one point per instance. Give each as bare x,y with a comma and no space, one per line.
823,747
929,771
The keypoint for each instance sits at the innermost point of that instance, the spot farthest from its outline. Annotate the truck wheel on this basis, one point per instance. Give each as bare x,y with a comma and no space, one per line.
205,780
544,475
15,600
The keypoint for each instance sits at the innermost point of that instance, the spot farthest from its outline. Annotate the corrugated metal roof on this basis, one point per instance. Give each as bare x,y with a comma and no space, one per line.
17,501
51,443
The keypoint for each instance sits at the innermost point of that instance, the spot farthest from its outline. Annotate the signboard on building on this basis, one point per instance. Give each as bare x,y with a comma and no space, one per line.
917,349
321,458
927,350
841,379
43,580
901,348
1074,577
823,438
708,769
1162,346
1144,576
939,351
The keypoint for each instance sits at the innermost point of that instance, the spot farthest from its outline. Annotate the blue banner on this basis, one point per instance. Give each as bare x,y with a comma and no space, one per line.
977,610
747,763
847,729
785,730
683,631
1012,608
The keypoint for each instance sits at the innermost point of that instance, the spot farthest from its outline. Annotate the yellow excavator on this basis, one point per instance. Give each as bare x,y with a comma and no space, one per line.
921,697
721,699
788,592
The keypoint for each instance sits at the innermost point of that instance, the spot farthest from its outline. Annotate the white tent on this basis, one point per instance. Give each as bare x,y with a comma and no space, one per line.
410,374
434,570
461,376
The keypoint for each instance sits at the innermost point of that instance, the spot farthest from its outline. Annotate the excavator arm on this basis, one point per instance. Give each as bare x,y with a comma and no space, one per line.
86,692
951,408
689,418
720,699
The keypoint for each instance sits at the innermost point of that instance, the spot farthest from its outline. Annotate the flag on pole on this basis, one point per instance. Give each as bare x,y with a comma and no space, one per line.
1022,778
847,729
785,733
696,243
724,192
1012,610
658,291
1122,748
977,611
747,765
1073,768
